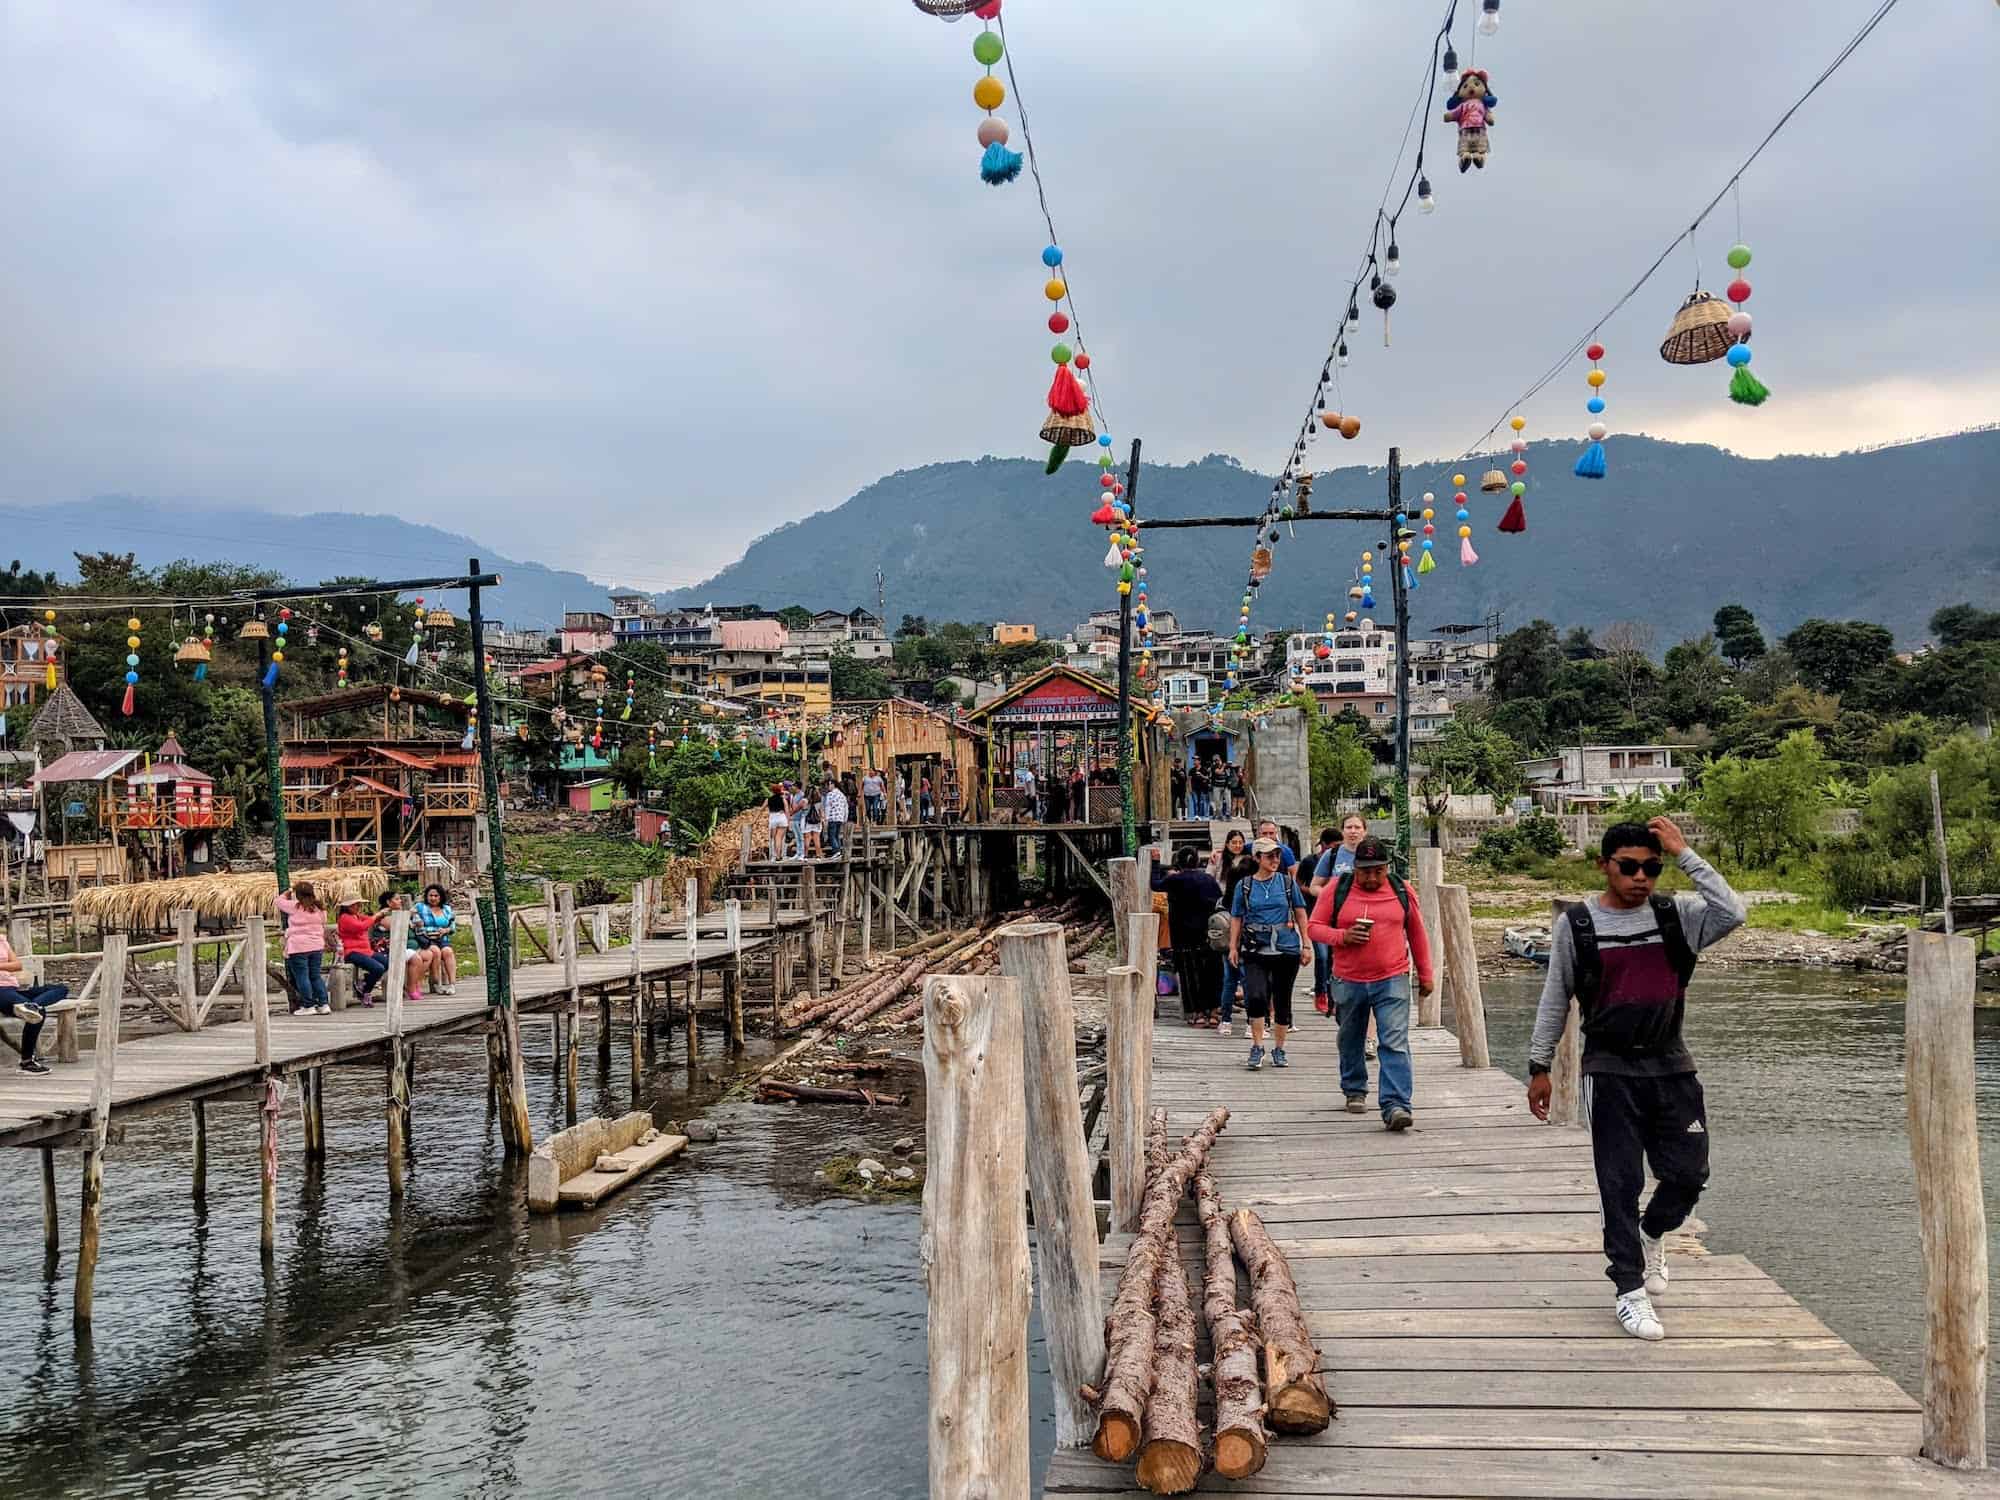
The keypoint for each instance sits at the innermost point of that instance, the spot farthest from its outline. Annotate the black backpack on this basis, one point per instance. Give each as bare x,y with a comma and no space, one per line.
1346,884
1590,965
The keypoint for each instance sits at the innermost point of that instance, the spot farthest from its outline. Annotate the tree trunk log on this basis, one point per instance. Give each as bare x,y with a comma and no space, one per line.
1240,1439
770,1090
1130,1331
1171,1460
1297,1400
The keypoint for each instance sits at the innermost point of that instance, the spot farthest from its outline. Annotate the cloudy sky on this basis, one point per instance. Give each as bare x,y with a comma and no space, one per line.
621,284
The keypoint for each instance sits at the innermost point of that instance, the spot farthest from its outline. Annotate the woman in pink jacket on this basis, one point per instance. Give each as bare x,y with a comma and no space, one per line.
305,948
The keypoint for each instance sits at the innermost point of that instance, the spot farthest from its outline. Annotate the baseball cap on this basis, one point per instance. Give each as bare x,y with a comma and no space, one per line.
1370,855
1264,846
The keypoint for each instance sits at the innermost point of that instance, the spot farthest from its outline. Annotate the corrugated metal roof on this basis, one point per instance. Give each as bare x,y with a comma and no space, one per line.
178,771
375,786
87,765
308,760
404,758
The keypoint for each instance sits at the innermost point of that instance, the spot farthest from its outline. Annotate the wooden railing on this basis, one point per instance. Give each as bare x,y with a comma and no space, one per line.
452,798
322,802
172,812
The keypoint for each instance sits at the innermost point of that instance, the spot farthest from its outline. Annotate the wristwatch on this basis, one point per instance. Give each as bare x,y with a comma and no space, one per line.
1536,1070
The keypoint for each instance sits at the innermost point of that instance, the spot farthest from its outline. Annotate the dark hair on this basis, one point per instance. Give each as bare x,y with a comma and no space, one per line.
1243,869
1184,857
1234,833
1369,851
444,896
1329,836
388,900
305,895
1628,836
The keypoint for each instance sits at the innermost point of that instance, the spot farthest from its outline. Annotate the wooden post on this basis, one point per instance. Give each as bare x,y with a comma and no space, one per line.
641,916
1142,937
310,1096
1462,971
1951,1212
200,1111
257,1000
51,1224
551,921
692,991
1059,1172
1128,1090
1566,1068
1127,896
478,948
746,852
600,928
732,973
693,914
185,993
867,915
397,1081
340,985
1429,865
566,910
110,995
974,1243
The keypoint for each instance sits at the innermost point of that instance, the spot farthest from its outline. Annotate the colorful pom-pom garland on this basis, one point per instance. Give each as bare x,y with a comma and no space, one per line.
997,164
1590,463
1744,388
1516,517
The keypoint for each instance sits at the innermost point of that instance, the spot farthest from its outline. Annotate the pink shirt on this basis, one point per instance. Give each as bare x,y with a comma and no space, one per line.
307,932
1471,113
1389,950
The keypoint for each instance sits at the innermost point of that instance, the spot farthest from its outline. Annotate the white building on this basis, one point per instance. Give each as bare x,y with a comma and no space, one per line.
859,630
1592,775
1359,662
1185,689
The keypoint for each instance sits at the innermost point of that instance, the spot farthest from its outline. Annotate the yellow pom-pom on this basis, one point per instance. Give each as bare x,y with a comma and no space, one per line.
1595,378
133,623
1458,481
132,641
277,656
988,92
1367,568
1055,291
1518,423
49,615
1465,531
1368,557
1124,588
1428,513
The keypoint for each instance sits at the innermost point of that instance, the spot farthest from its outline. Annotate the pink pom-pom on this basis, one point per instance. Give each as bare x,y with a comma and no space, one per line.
1519,445
1739,326
992,131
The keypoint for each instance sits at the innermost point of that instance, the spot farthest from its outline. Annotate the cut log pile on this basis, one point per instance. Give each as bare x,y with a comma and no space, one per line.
784,1091
1147,1401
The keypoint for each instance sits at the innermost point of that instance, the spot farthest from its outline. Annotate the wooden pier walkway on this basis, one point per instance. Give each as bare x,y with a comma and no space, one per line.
1454,1278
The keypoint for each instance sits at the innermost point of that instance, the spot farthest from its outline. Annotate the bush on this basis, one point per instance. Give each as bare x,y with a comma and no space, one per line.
1520,847
1541,834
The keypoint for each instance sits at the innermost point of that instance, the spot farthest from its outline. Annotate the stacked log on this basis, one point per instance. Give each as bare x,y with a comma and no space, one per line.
1240,1440
1297,1400
1131,1332
1171,1460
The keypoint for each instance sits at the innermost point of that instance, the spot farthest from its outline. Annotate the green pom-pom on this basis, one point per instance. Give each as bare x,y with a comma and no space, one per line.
1286,514
1746,389
1060,354
986,48
1104,460
1739,256
1057,453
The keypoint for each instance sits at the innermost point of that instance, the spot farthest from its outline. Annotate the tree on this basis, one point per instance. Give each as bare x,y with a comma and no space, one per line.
1830,654
1953,625
1765,808
795,617
1525,721
1737,635
913,625
1629,646
1342,765
1475,757
1527,662
1578,646
1694,684
851,678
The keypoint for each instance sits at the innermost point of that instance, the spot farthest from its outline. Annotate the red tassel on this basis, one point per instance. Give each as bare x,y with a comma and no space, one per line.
126,707
1066,397
1516,518
1104,515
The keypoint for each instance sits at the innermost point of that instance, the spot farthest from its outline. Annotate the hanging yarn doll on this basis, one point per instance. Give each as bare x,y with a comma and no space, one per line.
1516,518
1744,388
997,164
1472,112
131,666
1590,463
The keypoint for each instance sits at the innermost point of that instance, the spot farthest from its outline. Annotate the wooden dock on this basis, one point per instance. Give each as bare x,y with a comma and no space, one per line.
1454,1278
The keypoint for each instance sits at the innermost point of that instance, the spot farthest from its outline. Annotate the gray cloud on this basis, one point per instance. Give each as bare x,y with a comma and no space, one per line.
622,284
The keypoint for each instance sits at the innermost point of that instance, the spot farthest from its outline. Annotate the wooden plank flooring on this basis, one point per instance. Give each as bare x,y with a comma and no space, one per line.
172,1065
1454,1278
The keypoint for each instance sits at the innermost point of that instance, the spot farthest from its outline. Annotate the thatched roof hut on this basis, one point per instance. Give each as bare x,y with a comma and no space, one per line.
146,904
64,724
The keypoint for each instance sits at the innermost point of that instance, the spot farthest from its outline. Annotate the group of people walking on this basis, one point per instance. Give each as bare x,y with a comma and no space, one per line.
809,819
362,937
1211,788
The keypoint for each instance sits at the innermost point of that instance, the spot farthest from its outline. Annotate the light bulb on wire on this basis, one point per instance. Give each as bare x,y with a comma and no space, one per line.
1489,17
1393,261
1342,357
1353,316
1449,62
1426,199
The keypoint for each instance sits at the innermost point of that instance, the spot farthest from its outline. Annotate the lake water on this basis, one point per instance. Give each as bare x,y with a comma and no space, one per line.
724,1329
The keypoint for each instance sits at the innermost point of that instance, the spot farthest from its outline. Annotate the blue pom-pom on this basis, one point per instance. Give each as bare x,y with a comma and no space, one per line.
1590,464
1739,355
131,677
1595,405
1051,255
1104,440
1000,165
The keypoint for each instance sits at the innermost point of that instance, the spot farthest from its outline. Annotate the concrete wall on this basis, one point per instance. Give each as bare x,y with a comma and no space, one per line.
1282,780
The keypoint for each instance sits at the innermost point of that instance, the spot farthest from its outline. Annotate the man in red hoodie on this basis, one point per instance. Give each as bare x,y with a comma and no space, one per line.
1373,924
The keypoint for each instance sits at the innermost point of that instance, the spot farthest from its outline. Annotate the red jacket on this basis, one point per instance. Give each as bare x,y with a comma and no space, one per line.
354,935
1389,949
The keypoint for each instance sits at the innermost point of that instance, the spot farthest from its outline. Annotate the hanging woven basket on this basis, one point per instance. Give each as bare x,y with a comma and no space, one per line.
1700,331
1492,481
440,619
254,630
192,650
1073,432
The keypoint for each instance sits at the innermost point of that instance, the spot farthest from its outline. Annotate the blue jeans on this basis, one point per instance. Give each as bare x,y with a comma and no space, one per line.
1322,969
798,835
43,995
1388,1000
878,809
308,983
831,833
1198,804
371,968
1232,976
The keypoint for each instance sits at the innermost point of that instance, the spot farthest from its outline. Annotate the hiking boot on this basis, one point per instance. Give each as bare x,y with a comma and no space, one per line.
1656,1264
1356,1103
1278,1058
27,1013
1397,1119
33,1065
1256,1058
1636,1316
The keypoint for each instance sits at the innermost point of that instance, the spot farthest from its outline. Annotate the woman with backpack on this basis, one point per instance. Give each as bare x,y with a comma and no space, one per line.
1268,941
1192,897
1376,931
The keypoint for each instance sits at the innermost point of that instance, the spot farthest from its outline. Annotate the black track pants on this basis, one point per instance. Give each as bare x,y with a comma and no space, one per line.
1634,1121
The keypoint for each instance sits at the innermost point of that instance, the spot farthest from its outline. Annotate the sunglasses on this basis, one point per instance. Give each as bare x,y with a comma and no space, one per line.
1649,867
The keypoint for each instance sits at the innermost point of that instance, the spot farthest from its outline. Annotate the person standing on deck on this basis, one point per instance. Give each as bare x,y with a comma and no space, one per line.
1177,787
1222,788
1192,897
1627,957
1376,931
795,812
305,948
1198,790
874,796
1336,858
1268,942
833,816
776,816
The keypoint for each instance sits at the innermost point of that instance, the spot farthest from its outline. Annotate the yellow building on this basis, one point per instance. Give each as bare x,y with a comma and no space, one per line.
798,684
1013,635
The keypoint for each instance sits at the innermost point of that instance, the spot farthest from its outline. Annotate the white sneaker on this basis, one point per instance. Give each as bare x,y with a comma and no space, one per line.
1656,1264
322,1010
1636,1317
1222,1028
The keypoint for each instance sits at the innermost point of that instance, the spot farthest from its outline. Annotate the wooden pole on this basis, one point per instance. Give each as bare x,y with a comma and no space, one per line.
975,1237
51,1224
1128,1056
184,984
110,996
640,919
1127,896
693,913
732,974
1428,864
1951,1213
200,1112
1059,1172
1142,936
1944,857
397,1090
310,1082
1462,969
566,918
867,914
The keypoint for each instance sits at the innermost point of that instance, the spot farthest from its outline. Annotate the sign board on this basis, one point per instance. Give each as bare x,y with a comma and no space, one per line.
73,809
1060,700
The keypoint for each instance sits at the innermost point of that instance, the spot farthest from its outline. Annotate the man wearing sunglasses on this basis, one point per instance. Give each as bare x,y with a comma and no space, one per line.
1627,957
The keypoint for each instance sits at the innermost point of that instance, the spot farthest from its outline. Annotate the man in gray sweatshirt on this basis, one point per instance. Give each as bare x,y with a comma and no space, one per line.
1627,956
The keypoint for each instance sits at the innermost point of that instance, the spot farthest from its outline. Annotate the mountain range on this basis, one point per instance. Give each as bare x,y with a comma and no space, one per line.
1675,530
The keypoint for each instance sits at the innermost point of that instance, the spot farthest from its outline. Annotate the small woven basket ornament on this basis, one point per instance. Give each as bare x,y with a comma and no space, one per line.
1700,331
1492,482
1072,432
192,650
